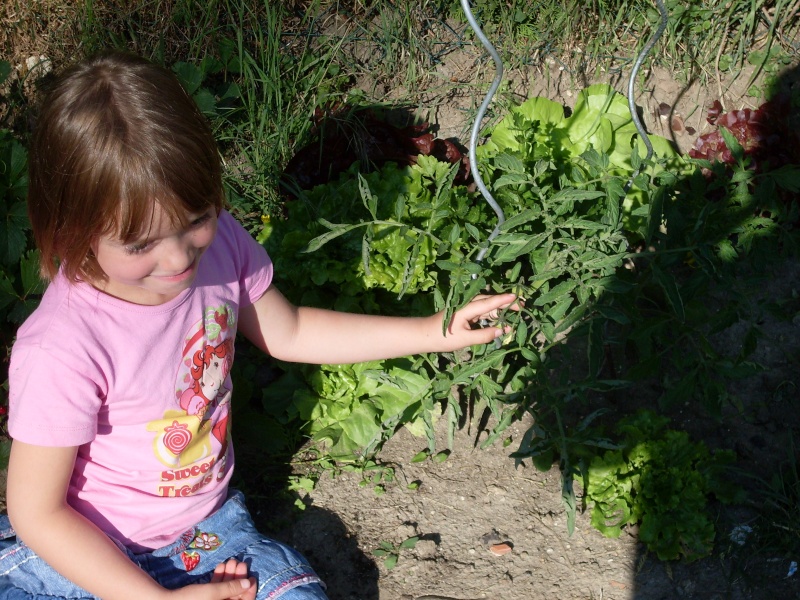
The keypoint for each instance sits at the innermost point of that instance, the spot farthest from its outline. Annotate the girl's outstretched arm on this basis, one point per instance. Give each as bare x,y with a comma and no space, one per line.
317,336
38,478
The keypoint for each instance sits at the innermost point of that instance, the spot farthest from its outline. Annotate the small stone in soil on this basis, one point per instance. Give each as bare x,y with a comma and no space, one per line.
500,549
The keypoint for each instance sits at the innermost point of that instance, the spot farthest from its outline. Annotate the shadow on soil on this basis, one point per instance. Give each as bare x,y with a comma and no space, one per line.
754,550
318,534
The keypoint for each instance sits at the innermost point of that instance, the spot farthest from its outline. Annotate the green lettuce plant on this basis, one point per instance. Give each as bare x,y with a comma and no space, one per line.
599,124
352,407
663,481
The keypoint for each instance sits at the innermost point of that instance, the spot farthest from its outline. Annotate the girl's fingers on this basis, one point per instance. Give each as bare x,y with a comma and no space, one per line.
486,307
235,589
219,572
229,581
229,570
225,571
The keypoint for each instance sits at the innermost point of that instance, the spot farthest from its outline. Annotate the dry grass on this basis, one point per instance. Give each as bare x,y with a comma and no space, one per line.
36,27
34,35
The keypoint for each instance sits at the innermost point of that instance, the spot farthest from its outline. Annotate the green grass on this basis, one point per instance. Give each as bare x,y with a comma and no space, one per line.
280,90
281,68
289,58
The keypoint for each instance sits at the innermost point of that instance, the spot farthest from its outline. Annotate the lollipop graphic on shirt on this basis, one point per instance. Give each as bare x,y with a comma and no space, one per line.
176,437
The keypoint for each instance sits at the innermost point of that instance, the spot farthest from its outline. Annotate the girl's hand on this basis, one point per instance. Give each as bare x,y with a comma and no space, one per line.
229,582
462,330
234,570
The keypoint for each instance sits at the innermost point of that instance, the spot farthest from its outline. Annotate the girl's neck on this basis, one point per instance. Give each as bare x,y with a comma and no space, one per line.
132,294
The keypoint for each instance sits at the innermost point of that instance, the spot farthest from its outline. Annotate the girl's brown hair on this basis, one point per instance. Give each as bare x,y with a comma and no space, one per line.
115,135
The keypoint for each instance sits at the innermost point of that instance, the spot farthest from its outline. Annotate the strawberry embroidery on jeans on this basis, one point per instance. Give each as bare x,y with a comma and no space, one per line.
205,541
190,559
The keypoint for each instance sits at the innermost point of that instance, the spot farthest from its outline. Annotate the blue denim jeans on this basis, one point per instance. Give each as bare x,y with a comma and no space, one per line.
229,533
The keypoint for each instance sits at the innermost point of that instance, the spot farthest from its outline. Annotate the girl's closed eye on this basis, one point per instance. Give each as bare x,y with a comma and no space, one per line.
204,218
139,248
144,246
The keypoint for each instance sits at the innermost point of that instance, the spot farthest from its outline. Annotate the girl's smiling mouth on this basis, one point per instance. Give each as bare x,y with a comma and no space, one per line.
182,276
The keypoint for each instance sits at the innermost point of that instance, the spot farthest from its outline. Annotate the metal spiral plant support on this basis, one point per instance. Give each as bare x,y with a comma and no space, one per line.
634,72
476,127
473,140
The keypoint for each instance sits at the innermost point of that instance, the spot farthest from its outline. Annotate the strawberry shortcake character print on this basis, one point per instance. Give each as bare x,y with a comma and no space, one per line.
193,435
209,371
210,368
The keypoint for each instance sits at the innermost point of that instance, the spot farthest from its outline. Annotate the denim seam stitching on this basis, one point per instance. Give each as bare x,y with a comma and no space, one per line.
306,571
16,566
291,584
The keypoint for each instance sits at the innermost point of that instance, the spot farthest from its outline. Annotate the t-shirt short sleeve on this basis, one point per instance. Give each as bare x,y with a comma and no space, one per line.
256,266
145,391
66,404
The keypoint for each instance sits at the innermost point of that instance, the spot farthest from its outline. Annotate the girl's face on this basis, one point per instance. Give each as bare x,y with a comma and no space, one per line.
158,266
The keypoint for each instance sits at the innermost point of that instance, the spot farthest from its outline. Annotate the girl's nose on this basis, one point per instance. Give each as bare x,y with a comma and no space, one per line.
178,255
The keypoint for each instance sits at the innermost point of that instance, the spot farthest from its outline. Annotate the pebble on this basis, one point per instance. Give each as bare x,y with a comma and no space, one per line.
425,549
500,549
617,584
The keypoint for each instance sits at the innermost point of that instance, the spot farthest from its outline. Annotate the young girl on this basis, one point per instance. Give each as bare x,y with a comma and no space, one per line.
119,382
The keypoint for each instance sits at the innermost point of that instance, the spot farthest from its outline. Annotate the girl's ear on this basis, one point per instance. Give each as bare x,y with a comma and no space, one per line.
91,271
93,244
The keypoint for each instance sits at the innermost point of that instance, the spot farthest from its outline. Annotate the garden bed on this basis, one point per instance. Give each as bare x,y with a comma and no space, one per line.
477,499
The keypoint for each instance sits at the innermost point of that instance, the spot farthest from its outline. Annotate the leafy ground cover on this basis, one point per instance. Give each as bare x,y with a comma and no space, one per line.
667,283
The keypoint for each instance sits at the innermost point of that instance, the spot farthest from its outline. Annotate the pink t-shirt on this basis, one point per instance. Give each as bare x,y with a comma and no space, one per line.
144,391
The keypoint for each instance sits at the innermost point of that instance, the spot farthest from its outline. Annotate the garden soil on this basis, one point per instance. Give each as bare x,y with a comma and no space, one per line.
491,529
488,528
